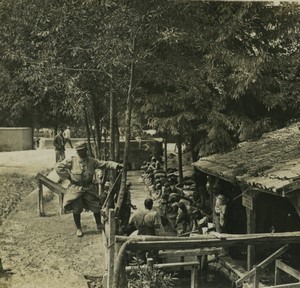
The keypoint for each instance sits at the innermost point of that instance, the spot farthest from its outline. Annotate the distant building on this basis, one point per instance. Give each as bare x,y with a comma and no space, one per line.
16,138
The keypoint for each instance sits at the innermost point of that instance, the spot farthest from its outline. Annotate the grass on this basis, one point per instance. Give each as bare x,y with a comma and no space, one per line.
13,188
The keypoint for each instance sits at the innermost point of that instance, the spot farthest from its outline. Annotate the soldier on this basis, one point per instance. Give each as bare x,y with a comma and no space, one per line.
82,192
59,144
67,136
145,221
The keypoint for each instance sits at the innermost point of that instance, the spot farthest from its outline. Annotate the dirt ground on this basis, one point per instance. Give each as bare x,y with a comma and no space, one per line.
44,252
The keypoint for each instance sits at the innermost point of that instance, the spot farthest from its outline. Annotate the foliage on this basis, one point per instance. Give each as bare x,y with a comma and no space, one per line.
141,277
215,73
232,81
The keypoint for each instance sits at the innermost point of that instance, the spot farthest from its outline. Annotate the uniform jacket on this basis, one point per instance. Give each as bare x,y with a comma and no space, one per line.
145,221
59,142
80,172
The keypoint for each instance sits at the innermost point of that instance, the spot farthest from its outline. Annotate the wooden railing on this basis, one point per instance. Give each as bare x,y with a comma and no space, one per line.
254,273
54,187
202,242
282,267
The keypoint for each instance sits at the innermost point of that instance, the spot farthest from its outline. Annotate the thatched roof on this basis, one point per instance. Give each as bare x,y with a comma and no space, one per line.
271,163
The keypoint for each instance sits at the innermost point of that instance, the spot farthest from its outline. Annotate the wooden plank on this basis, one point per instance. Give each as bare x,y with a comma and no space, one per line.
61,206
177,243
150,264
256,277
277,274
166,265
251,228
287,269
179,264
55,187
218,235
41,211
194,277
191,252
110,248
262,264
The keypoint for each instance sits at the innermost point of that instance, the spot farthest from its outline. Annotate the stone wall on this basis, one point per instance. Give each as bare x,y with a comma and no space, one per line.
15,138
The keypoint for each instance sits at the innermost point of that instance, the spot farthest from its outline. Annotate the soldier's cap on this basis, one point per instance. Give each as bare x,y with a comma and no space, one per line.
80,146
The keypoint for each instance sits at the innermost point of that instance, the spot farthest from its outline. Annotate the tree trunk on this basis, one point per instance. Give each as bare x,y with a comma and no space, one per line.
112,126
105,145
87,129
117,141
97,126
179,146
166,153
127,135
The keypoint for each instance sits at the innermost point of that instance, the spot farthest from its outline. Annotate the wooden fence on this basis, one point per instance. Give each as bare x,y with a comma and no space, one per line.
115,247
201,245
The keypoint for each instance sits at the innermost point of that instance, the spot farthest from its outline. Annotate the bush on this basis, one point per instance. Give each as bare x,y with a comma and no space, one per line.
149,278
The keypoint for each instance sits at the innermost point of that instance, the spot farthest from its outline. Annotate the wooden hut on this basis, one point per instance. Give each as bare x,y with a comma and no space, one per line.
261,179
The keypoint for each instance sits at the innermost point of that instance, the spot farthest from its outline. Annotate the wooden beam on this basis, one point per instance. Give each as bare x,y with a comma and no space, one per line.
166,265
191,252
251,228
287,269
41,211
55,187
110,248
195,276
176,243
262,264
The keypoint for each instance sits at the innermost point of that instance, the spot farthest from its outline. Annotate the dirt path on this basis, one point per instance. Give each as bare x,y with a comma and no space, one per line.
44,251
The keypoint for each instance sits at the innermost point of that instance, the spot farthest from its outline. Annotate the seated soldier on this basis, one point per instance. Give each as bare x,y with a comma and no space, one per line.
182,223
145,221
201,218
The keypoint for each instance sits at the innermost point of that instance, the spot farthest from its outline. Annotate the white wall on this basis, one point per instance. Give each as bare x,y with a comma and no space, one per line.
15,139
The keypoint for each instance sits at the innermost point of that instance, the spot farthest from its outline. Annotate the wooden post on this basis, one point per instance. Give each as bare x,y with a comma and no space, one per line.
150,264
61,206
251,227
277,274
40,200
256,277
111,247
203,266
195,275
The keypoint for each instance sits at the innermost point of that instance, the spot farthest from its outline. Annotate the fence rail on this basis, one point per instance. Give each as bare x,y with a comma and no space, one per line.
54,187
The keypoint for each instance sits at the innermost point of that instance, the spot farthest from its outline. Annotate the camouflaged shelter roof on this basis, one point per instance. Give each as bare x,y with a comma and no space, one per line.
270,163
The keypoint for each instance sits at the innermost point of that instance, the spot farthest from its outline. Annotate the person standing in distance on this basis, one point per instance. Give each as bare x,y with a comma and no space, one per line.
59,144
82,192
67,136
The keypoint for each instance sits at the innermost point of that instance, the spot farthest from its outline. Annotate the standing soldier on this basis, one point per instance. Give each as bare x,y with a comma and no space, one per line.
59,144
82,192
67,136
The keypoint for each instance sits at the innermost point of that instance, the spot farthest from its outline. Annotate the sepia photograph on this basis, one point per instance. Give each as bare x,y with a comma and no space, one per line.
149,143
